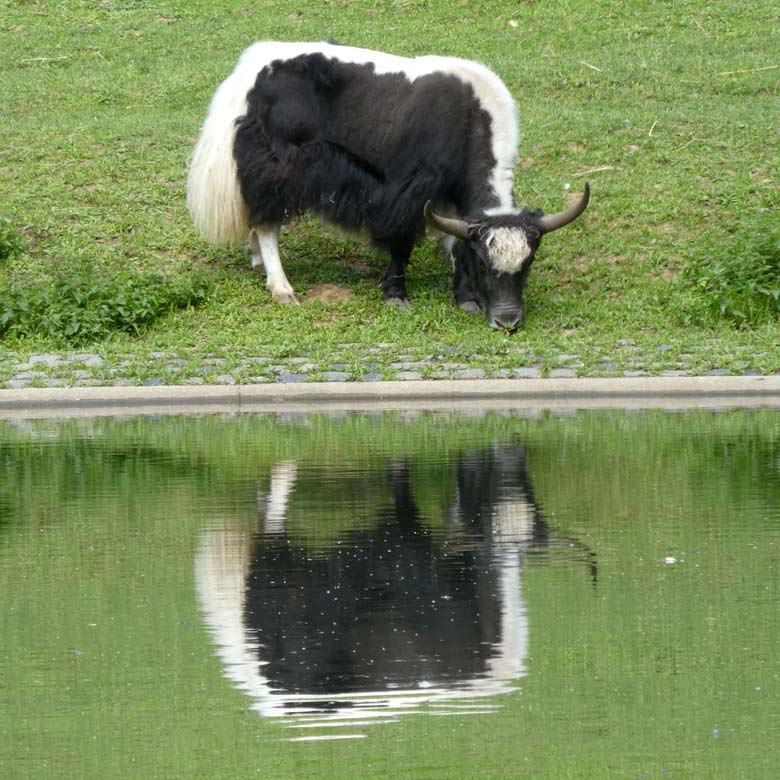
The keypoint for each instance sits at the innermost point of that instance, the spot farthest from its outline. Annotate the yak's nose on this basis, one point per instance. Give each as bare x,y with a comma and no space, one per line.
506,320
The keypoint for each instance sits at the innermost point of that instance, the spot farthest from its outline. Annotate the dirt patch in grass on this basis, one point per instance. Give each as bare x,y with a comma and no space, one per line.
329,293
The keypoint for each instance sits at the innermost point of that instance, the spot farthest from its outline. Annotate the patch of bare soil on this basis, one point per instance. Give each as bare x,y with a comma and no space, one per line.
329,293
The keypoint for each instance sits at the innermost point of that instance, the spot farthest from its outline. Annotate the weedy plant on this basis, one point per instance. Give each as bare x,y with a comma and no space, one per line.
11,242
78,304
737,279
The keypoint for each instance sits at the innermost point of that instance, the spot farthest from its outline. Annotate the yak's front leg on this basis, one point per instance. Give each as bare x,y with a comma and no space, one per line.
393,283
463,283
264,248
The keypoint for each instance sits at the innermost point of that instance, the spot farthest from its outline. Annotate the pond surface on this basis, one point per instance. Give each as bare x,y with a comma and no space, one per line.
421,595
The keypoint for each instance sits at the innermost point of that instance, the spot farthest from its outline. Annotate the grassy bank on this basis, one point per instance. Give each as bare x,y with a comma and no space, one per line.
668,110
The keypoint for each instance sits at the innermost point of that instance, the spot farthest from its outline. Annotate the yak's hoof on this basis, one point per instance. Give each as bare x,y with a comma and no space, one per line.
286,297
470,307
397,303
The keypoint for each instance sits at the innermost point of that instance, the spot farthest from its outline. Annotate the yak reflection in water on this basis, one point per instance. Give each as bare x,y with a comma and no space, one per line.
394,614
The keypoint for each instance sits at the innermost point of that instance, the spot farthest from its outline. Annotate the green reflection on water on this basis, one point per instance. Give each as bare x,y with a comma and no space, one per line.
663,669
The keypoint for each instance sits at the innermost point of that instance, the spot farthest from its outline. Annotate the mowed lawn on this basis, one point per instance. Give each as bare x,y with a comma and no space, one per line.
670,110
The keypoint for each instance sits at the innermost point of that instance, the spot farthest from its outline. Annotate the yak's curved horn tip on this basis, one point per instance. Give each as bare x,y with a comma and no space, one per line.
555,221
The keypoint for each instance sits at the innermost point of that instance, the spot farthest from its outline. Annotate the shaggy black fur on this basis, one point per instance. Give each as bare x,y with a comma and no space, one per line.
362,150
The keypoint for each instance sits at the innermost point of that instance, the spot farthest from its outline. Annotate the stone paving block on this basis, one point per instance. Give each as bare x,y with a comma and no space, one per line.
470,373
335,376
287,379
45,359
407,376
562,373
91,361
302,368
526,372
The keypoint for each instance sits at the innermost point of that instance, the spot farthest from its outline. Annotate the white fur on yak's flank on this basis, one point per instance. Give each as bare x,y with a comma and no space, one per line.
213,192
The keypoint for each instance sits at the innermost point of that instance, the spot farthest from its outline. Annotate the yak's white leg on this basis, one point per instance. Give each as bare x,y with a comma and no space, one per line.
255,255
264,248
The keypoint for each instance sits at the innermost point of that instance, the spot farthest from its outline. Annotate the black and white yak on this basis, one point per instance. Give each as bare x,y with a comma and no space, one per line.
369,140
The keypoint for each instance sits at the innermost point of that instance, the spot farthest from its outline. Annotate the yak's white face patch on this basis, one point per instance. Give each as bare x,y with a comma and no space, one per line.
508,249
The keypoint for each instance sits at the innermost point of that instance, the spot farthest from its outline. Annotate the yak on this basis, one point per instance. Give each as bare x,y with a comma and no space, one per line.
371,142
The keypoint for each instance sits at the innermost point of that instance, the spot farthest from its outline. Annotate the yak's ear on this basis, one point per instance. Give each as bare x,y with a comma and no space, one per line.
562,218
452,227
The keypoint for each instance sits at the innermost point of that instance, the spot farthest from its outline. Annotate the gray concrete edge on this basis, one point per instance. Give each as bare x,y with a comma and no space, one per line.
473,395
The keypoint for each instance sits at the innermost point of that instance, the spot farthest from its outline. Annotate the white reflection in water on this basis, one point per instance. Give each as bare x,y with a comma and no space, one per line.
390,621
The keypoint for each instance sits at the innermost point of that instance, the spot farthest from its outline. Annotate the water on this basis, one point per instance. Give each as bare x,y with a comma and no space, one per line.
419,595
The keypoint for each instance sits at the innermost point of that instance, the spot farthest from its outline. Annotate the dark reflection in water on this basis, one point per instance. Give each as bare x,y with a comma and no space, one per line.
394,612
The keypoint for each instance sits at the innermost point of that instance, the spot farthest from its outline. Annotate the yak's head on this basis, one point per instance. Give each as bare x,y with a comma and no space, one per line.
496,252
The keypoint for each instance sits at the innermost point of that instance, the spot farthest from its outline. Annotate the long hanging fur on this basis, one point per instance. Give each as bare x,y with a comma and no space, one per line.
213,193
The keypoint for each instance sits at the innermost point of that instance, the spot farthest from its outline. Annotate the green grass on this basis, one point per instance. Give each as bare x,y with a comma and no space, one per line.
670,110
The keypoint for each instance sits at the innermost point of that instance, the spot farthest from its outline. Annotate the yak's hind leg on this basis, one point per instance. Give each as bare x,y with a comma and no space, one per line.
264,249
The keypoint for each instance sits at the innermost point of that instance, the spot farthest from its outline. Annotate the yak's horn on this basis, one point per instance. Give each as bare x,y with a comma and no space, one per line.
555,221
453,227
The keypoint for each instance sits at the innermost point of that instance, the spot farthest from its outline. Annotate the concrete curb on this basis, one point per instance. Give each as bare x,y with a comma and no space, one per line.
474,395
